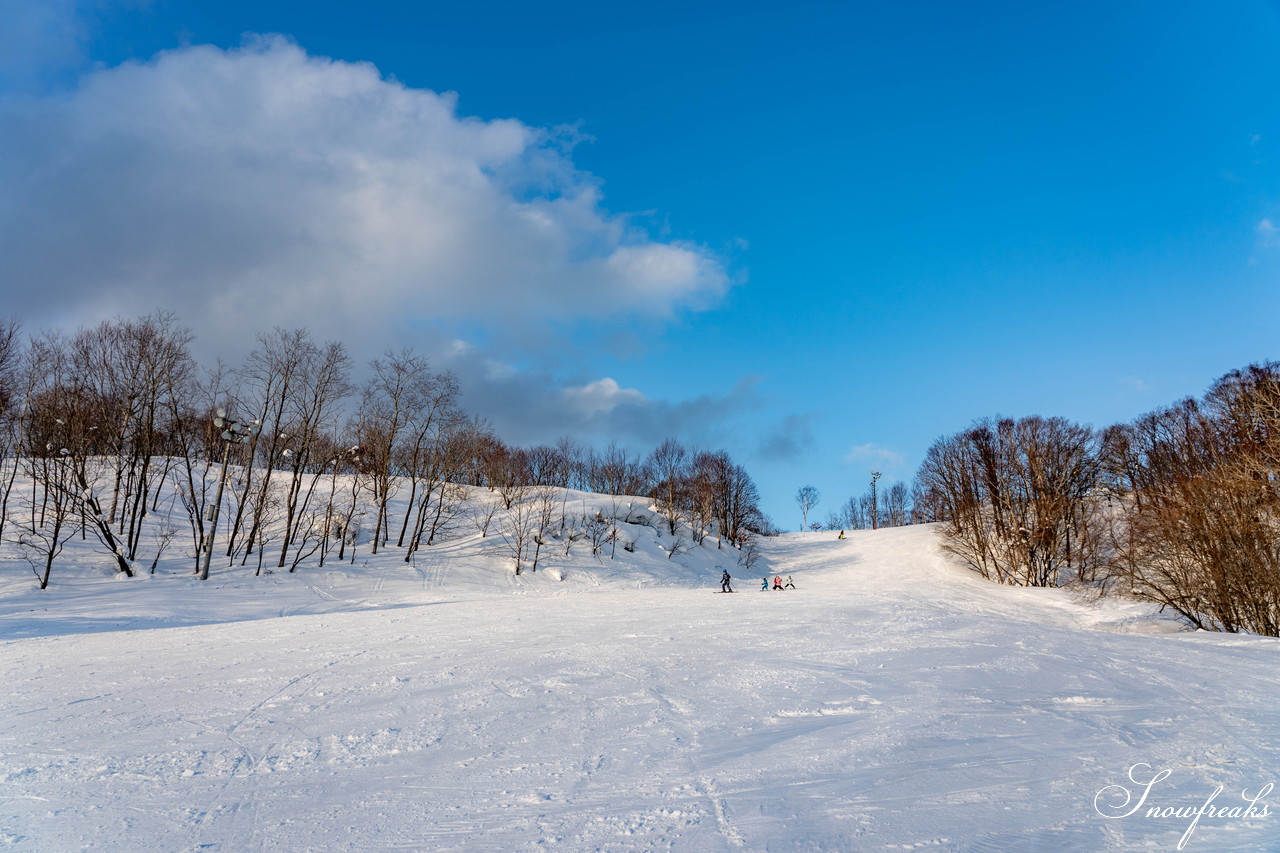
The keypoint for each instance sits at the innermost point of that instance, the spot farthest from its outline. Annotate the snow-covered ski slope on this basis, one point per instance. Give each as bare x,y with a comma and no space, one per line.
892,702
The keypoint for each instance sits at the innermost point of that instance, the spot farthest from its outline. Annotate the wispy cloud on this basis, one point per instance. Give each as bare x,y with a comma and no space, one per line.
787,441
1135,384
533,406
1268,234
874,454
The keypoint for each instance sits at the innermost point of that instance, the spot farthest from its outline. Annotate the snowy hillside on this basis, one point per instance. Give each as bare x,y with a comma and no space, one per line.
891,702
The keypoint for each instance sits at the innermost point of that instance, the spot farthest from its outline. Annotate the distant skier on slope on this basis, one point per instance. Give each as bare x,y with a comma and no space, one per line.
841,536
724,582
764,584
777,582
790,583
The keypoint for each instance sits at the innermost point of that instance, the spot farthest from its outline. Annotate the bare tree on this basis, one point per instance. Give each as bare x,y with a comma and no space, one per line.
64,415
897,509
269,515
166,530
124,378
428,457
192,427
309,537
49,522
518,526
599,531
850,515
444,442
703,478
544,501
807,498
350,508
393,399
272,382
309,434
679,545
509,475
573,463
544,466
750,555
14,382
669,467
739,500
617,472
482,518
450,504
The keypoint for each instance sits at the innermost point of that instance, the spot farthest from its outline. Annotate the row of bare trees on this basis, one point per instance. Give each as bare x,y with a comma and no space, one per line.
88,420
706,491
696,494
874,508
108,432
1201,531
1181,507
1016,498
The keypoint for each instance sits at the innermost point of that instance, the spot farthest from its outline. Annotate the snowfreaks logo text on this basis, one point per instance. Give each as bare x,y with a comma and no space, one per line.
1116,801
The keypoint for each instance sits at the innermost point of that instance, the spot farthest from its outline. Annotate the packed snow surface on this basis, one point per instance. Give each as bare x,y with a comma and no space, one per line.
891,702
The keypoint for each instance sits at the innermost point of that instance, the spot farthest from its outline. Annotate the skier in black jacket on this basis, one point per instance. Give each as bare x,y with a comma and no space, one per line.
724,582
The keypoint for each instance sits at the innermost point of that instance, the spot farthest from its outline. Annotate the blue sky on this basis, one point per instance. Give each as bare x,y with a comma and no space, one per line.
816,234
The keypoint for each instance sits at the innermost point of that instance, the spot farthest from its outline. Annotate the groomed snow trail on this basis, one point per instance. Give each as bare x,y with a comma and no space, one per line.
892,702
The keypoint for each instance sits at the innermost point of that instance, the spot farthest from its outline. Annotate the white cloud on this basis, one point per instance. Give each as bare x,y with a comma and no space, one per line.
262,186
601,397
874,454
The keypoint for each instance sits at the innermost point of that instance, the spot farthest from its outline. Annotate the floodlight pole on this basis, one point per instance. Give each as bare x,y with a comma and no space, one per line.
875,512
233,433
213,516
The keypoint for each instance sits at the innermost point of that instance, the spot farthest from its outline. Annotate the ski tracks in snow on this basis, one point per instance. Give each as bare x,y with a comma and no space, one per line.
431,565
680,715
234,817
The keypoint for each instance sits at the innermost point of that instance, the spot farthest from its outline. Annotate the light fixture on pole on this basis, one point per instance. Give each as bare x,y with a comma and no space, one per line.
233,432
